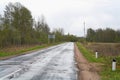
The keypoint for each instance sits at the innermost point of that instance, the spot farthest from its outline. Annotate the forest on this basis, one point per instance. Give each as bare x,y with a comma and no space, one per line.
18,27
103,35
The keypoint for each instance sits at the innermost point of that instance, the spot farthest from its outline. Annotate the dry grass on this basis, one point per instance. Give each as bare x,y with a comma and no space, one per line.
105,49
14,48
13,51
108,51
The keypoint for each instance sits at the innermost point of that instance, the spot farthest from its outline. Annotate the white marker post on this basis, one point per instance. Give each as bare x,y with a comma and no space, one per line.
96,54
113,65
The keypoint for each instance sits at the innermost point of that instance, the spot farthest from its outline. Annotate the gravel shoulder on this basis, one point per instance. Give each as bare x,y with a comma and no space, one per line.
87,70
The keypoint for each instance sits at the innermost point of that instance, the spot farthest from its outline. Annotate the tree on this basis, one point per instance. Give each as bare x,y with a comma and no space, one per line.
59,34
42,30
71,38
18,18
109,35
99,35
90,35
103,35
117,37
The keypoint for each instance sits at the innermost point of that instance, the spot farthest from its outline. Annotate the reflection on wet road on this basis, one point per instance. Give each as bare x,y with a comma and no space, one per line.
54,63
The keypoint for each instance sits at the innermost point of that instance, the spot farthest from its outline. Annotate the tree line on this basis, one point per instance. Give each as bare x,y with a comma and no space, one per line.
18,27
103,35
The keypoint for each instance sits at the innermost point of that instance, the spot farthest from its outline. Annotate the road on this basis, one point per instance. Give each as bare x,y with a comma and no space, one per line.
53,63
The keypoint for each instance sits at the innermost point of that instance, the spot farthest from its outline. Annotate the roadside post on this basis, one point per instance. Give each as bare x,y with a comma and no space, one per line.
96,54
113,65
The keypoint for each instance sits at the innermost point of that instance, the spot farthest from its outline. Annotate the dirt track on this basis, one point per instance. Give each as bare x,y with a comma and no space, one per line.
87,71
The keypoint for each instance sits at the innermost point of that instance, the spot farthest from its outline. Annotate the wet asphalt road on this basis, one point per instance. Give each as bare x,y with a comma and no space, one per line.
54,63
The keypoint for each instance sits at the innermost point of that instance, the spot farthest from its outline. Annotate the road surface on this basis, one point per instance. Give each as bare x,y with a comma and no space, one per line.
54,63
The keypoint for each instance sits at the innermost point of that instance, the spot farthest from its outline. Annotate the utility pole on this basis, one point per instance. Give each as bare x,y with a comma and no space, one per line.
84,28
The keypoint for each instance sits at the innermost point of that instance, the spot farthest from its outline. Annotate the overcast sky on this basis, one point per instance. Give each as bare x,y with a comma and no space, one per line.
71,14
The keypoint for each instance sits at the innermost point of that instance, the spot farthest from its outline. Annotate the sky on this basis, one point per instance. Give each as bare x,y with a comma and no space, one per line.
71,14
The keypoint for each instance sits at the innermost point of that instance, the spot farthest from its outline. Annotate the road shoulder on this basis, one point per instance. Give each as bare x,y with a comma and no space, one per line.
87,71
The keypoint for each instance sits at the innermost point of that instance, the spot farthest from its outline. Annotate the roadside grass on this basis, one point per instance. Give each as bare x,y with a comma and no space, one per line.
106,72
90,56
15,51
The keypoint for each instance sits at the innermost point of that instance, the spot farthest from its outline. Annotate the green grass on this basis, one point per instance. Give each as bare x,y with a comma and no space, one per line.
22,51
88,54
106,71
108,74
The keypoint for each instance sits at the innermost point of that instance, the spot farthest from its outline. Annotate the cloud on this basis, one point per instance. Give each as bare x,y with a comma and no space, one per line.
70,14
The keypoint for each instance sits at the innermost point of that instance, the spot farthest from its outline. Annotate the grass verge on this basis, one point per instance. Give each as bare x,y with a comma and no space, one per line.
106,72
4,54
88,54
